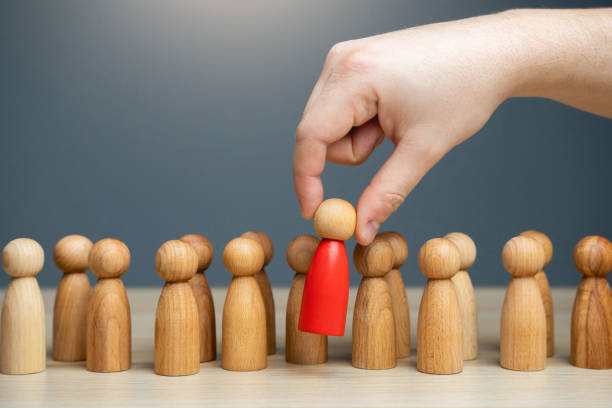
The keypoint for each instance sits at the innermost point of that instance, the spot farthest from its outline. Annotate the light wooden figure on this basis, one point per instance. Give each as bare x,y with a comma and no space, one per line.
301,347
465,293
244,346
439,329
22,334
401,311
109,327
545,288
71,256
523,320
177,334
373,322
591,330
203,296
265,288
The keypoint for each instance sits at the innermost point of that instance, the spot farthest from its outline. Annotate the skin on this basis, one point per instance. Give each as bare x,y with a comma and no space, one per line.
429,88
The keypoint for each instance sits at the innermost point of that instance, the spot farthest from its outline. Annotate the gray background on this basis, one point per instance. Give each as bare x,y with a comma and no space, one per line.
145,120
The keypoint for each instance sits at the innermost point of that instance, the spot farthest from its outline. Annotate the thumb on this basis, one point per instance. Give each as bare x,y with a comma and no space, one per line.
411,159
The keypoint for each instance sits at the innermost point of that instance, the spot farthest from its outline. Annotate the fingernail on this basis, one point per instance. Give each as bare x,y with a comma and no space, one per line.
370,230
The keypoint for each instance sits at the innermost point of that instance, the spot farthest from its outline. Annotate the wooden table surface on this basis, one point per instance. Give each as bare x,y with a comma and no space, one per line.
482,383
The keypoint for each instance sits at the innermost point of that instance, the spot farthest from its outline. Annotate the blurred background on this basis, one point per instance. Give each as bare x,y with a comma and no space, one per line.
145,120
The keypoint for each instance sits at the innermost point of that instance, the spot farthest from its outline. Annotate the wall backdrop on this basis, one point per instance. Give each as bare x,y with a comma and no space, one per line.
146,120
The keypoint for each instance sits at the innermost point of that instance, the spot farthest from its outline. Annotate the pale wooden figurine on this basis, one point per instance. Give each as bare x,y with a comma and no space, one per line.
203,296
523,320
439,329
244,346
22,333
465,293
373,322
301,347
177,334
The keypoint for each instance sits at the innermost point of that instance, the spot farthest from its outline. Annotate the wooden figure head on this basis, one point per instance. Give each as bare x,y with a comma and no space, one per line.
466,247
23,257
374,260
439,258
264,241
243,257
109,258
593,256
544,241
71,253
335,219
523,256
203,249
176,261
399,246
300,252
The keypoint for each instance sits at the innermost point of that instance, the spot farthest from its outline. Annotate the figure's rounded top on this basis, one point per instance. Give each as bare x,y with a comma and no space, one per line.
439,258
543,239
176,261
399,246
300,252
71,253
335,219
466,247
523,256
23,257
593,256
243,256
109,258
374,260
264,241
203,249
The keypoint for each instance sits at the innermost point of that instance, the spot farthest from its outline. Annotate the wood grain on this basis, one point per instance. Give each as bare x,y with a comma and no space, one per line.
70,317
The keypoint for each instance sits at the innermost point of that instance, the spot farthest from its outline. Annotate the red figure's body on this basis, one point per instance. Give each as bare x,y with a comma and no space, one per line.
325,297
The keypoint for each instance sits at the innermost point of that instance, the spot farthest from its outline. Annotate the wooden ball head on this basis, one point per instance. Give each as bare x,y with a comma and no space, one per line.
523,320
71,256
203,296
439,329
335,219
244,314
109,326
397,289
177,336
301,347
465,293
591,327
22,331
265,287
542,280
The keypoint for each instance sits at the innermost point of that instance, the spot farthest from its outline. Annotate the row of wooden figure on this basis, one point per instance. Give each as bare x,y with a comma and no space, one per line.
95,325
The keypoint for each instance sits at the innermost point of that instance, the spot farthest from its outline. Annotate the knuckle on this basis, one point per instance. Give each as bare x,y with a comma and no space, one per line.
303,132
358,61
392,200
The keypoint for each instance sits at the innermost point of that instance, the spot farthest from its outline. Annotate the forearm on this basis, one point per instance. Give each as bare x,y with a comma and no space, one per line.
564,55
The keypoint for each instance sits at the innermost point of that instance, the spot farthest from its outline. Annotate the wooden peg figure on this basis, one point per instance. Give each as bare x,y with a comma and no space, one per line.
591,331
109,327
244,314
523,320
439,329
71,256
542,280
373,322
203,296
301,347
401,311
264,286
22,334
177,334
465,293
